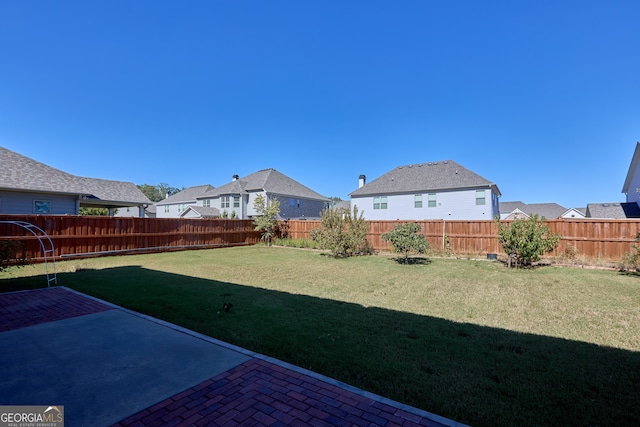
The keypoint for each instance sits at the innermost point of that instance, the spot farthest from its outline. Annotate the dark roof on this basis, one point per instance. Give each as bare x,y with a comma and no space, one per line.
187,195
508,207
20,173
271,181
613,210
544,210
343,204
433,176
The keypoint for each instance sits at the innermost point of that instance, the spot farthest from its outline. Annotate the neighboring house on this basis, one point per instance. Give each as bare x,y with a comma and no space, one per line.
236,198
200,212
613,210
30,187
543,210
631,187
132,211
174,205
509,208
436,190
514,210
343,204
575,213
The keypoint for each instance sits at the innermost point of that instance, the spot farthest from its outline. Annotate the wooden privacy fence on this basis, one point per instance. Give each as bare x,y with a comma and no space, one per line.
586,238
84,236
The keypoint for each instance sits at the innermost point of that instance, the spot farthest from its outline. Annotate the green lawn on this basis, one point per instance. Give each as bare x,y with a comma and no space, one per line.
468,340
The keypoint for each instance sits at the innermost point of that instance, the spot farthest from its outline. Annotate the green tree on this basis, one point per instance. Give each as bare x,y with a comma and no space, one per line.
405,239
156,193
94,211
525,240
267,219
343,233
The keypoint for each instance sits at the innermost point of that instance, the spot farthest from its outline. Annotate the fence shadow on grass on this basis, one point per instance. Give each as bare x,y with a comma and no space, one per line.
477,375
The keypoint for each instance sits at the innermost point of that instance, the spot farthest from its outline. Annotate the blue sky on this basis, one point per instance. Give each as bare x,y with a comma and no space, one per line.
542,98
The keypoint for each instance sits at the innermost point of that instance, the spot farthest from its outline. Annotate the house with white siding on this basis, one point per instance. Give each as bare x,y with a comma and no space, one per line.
31,187
631,187
236,198
175,205
434,190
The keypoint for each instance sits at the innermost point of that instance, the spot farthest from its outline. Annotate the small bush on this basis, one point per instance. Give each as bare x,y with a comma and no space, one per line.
343,233
526,240
406,239
631,261
9,249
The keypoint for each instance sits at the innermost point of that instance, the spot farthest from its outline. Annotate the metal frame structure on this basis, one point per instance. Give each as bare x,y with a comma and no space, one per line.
45,243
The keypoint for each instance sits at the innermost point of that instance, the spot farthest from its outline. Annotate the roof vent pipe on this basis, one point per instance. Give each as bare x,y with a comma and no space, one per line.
362,180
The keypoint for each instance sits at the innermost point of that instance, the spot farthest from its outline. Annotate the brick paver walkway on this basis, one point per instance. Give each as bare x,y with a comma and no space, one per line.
260,392
28,308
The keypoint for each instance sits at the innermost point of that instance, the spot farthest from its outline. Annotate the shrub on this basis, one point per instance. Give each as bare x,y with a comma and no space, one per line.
343,233
8,254
267,219
406,239
525,240
631,260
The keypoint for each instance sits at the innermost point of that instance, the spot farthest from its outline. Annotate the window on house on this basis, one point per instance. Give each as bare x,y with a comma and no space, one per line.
236,201
224,202
41,206
431,200
380,202
180,207
206,203
417,201
480,197
292,202
166,208
298,201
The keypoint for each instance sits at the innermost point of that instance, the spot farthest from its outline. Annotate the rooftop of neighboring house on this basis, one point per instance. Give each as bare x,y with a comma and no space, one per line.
188,195
613,210
343,204
202,211
432,176
544,210
21,173
270,181
508,207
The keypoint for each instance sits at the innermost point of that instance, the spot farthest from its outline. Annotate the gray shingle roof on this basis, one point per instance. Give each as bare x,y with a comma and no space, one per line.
613,210
203,211
20,173
187,195
546,210
433,176
508,207
270,181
